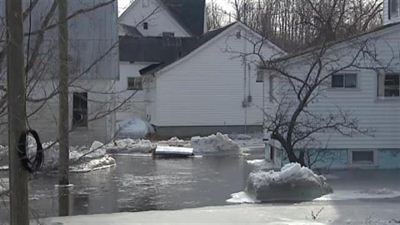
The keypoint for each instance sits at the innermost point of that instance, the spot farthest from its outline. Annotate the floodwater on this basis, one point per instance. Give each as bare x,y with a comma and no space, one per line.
139,183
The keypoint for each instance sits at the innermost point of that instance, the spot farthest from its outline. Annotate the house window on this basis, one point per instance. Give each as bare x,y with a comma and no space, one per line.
363,157
394,8
238,34
168,34
260,76
135,83
146,25
345,80
389,85
80,109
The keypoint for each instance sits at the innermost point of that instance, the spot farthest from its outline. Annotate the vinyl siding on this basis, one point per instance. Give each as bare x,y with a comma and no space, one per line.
207,87
45,118
135,106
386,19
380,116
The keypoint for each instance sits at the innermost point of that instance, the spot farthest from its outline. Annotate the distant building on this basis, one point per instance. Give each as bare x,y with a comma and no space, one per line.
188,81
93,51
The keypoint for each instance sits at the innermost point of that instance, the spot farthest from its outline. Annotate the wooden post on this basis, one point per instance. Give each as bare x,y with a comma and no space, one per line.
19,211
63,119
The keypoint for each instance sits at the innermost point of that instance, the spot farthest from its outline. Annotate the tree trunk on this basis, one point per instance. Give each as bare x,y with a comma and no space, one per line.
19,211
63,123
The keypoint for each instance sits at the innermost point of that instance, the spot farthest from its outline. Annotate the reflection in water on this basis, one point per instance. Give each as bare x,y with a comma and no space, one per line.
63,200
142,183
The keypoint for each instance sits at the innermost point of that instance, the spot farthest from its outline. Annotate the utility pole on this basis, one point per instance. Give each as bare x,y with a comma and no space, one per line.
19,211
63,119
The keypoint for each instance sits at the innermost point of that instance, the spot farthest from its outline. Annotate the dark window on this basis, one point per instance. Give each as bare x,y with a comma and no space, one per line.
392,83
145,25
260,76
347,80
80,110
363,156
135,83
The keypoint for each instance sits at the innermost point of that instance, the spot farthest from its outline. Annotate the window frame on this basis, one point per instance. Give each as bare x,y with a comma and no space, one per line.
135,86
381,88
373,163
145,25
391,13
75,123
344,75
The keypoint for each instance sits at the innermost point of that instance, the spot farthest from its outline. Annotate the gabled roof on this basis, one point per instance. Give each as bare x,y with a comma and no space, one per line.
188,13
333,43
161,50
200,41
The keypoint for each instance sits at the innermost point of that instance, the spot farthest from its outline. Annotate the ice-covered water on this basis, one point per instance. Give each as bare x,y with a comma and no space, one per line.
139,183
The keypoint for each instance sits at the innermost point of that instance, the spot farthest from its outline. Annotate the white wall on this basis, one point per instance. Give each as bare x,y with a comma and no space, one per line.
44,114
386,14
155,14
207,87
379,115
135,106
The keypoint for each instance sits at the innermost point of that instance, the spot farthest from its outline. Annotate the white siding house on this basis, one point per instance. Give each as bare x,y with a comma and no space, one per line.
391,11
93,69
210,89
148,22
372,98
151,18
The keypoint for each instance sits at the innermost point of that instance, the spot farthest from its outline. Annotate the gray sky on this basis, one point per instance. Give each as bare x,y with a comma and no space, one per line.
123,4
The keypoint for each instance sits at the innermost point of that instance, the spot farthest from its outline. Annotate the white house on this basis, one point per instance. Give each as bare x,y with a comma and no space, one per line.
211,87
189,84
145,22
93,51
369,91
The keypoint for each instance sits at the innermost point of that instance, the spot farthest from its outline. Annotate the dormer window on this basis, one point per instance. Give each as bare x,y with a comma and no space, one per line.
394,8
145,26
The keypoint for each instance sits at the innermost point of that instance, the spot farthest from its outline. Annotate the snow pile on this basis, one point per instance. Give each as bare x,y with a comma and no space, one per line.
134,128
216,143
4,185
130,146
173,151
96,150
261,164
81,159
174,141
241,197
383,193
292,183
96,164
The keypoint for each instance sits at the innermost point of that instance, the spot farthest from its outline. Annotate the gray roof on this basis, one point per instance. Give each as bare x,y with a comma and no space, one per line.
161,50
189,13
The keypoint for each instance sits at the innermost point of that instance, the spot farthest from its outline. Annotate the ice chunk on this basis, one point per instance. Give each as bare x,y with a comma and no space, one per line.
173,151
130,146
292,183
216,143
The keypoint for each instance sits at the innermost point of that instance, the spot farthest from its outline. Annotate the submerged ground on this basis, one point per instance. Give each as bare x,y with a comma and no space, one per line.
140,183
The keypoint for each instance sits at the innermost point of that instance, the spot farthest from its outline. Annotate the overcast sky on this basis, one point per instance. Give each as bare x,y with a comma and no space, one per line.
123,4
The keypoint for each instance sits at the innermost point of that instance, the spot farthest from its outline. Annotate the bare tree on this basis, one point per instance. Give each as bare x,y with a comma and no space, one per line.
298,24
299,83
215,15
